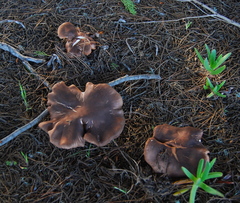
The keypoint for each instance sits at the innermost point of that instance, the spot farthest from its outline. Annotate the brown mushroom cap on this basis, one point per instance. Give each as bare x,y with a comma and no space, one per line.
172,147
78,43
67,30
95,116
82,47
184,136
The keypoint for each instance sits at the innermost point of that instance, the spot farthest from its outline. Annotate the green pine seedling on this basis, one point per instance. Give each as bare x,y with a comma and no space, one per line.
188,24
11,163
202,175
129,6
214,89
121,190
40,53
213,63
25,156
24,96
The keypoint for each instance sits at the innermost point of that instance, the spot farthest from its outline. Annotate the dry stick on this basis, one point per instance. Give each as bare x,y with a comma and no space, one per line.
44,113
25,60
12,21
14,52
215,14
23,128
134,77
168,21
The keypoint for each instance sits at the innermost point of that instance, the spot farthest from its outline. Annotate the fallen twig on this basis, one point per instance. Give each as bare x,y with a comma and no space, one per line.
215,14
25,62
23,128
167,21
134,77
14,52
44,113
12,21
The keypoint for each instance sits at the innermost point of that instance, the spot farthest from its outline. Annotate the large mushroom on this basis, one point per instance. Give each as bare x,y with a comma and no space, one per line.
78,43
95,116
172,147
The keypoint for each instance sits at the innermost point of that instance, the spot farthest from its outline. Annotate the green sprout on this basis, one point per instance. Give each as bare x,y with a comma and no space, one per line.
25,156
40,53
129,6
121,190
198,180
114,66
24,96
11,163
212,63
214,90
188,24
88,151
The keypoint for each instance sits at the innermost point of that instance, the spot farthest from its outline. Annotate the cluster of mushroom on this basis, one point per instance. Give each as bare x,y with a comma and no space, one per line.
78,43
96,116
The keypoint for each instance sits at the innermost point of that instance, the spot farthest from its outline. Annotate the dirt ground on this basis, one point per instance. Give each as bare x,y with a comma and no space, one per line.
118,172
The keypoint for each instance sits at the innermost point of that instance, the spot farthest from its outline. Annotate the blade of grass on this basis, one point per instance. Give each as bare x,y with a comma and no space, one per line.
188,174
199,56
210,190
223,59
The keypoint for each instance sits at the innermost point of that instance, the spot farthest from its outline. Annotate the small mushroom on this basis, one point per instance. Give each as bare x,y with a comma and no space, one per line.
78,43
67,31
172,147
95,116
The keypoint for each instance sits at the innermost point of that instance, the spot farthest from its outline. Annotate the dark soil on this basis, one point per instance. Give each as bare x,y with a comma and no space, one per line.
93,174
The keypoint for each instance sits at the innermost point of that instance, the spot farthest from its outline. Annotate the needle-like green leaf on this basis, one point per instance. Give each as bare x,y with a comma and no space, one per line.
210,190
199,56
223,59
181,191
214,175
212,58
218,70
188,174
208,50
200,167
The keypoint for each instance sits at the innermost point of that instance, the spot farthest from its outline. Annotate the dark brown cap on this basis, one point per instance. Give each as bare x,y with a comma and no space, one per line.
95,116
172,147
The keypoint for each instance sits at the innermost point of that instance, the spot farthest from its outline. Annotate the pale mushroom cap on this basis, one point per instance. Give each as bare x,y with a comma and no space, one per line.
95,116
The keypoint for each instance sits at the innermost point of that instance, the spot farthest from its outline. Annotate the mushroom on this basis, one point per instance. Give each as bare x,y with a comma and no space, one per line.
95,116
78,43
172,147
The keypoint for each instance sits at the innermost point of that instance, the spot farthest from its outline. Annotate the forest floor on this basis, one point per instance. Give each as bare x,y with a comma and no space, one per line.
127,45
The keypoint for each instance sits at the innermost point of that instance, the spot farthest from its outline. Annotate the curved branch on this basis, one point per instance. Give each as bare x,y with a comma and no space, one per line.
23,128
14,52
